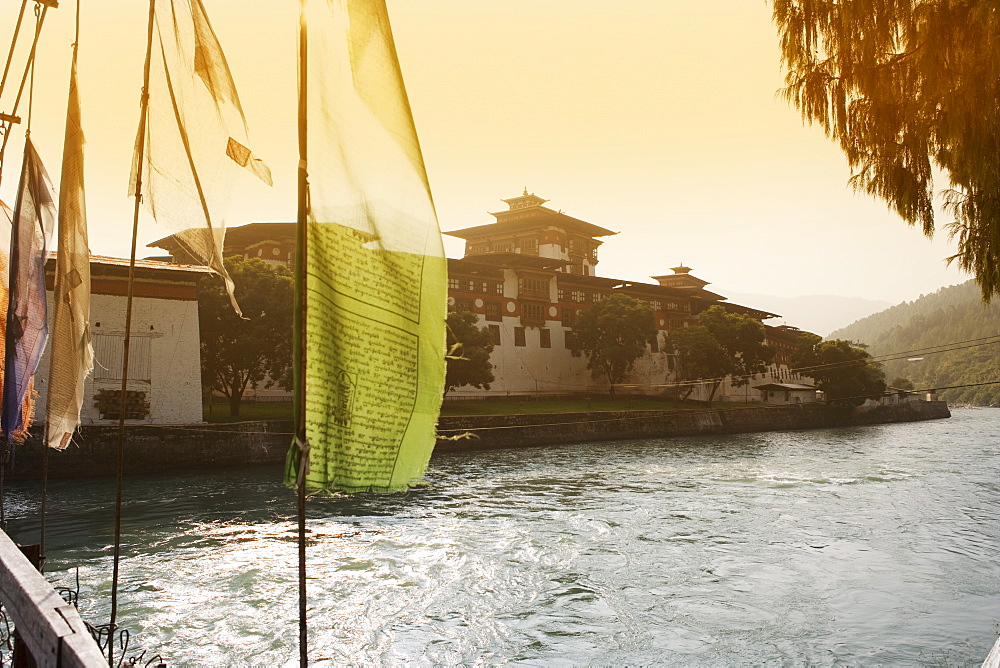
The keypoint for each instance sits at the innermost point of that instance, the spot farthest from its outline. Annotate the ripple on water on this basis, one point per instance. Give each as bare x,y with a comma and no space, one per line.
852,546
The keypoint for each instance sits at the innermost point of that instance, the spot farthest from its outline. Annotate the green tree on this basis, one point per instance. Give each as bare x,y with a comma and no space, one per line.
613,334
846,373
953,320
742,339
907,86
469,349
238,353
901,383
698,357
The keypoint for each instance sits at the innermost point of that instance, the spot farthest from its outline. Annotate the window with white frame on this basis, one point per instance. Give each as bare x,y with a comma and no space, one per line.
109,350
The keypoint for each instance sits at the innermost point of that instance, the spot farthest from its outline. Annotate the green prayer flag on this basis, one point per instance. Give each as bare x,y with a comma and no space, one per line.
376,273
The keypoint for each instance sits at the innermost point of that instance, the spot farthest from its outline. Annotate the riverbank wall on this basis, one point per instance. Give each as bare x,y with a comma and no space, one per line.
156,449
190,448
486,431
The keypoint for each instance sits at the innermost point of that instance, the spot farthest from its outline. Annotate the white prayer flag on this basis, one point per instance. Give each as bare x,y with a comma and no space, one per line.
72,356
196,134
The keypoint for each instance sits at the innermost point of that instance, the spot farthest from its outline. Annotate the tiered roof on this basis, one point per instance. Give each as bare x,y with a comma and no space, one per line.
526,212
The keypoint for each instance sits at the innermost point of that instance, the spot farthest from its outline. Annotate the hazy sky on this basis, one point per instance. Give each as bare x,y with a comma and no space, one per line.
655,118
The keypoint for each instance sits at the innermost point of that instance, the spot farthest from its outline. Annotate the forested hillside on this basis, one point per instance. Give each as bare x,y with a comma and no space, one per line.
954,315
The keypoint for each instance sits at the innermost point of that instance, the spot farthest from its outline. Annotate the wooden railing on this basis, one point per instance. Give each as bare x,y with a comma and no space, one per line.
50,627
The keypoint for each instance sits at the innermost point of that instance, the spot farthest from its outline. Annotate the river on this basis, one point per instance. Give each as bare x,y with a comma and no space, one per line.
854,546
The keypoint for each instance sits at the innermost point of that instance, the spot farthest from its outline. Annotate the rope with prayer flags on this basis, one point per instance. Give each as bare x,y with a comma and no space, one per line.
196,136
27,329
71,355
375,292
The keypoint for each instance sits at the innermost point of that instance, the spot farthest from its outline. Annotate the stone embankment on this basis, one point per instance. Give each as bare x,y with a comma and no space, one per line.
541,429
178,449
157,449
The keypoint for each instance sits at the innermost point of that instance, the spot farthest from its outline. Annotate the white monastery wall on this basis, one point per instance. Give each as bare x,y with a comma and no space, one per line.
531,369
650,374
555,251
164,359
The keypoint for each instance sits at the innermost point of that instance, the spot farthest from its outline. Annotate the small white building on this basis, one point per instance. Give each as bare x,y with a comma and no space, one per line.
164,375
893,396
786,393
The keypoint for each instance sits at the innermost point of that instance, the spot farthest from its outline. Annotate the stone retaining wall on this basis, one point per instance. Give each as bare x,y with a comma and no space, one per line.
541,429
162,449
157,448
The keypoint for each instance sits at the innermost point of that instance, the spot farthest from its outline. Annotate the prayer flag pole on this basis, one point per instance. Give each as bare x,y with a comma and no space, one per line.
299,333
140,148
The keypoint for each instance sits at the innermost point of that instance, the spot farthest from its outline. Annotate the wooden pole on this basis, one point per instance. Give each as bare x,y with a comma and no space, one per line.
13,43
28,67
299,332
140,151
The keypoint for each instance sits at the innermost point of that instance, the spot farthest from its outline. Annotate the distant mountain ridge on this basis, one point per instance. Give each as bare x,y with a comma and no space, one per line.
819,314
955,315
869,328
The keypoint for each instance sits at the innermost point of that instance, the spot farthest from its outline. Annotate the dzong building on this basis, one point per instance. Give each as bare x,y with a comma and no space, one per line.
532,273
529,275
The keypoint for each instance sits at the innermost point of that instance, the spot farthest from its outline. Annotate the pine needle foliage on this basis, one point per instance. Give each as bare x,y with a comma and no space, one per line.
908,87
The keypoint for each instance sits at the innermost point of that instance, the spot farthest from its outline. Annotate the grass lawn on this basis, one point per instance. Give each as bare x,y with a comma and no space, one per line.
252,412
580,405
248,412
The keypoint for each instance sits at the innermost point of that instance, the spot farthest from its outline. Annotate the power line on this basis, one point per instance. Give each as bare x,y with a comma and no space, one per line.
834,365
673,412
928,389
955,387
878,359
952,343
889,357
